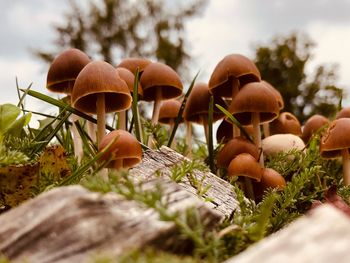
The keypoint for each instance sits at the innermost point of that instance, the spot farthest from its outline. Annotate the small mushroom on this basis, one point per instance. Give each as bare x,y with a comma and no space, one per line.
233,148
313,125
125,152
229,75
266,126
255,104
270,179
98,89
247,166
133,64
61,76
286,123
335,142
197,106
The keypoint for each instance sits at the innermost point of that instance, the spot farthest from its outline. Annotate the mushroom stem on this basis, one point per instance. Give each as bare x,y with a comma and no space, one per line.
118,164
101,117
346,166
189,138
257,134
77,142
266,128
249,188
156,106
235,89
122,120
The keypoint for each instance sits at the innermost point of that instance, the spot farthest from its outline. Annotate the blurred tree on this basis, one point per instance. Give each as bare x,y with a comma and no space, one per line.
283,64
116,29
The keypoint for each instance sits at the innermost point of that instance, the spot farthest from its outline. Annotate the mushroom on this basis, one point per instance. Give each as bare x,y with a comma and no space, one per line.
99,90
270,179
314,124
286,123
129,79
343,113
233,148
168,113
197,106
247,166
280,143
255,104
159,82
266,126
335,142
61,76
229,75
134,64
125,151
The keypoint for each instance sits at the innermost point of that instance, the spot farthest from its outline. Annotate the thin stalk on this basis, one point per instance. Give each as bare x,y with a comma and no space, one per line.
210,135
77,141
134,107
156,106
101,117
266,129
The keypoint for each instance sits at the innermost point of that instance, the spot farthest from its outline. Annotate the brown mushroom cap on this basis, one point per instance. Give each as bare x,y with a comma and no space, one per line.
343,113
234,66
224,131
169,111
245,165
312,125
129,79
64,70
125,147
233,148
277,94
272,179
100,77
285,123
254,97
133,64
197,105
336,138
158,76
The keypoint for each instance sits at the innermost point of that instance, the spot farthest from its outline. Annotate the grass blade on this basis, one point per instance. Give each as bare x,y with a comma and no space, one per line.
182,108
210,131
235,121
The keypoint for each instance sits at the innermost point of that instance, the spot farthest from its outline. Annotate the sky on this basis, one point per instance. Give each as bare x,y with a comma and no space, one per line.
226,26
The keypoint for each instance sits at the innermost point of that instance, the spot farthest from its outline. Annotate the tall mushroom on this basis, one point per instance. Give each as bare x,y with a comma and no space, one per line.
197,106
129,79
61,76
229,75
255,104
336,142
280,102
99,90
159,82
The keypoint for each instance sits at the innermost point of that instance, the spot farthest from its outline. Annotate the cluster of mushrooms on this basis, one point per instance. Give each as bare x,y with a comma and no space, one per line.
98,88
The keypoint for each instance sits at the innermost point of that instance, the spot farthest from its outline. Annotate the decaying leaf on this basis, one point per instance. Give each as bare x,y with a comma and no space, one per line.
53,163
16,182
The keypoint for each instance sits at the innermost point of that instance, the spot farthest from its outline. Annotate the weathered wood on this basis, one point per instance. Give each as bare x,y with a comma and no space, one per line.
220,195
71,224
322,236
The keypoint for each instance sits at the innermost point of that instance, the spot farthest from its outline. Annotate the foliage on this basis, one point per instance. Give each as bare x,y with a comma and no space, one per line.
118,29
283,64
